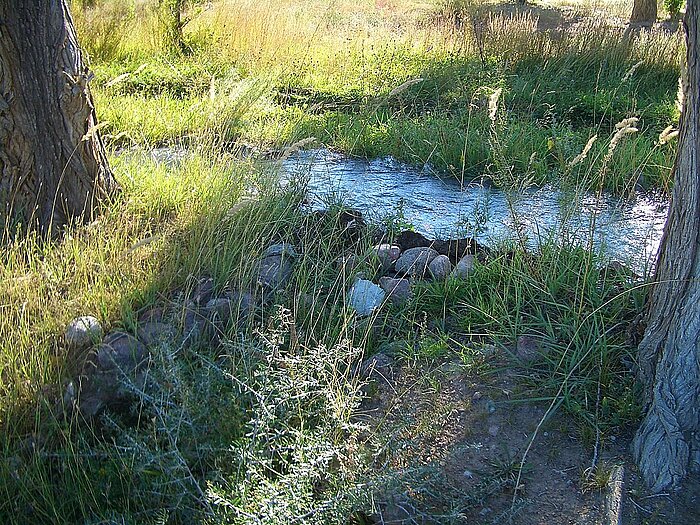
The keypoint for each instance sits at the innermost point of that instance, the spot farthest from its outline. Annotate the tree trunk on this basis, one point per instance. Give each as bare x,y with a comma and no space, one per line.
170,12
644,12
667,445
53,164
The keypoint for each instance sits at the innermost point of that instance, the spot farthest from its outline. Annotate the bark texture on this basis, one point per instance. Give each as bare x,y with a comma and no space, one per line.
53,166
644,12
667,445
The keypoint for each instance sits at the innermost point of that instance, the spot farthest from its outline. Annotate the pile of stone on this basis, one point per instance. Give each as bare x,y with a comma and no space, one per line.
411,258
115,365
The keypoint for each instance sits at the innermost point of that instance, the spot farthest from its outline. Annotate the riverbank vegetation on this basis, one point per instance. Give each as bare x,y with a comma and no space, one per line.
408,79
267,425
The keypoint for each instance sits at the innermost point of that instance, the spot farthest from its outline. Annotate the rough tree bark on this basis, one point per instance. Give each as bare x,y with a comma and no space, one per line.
644,12
667,445
53,166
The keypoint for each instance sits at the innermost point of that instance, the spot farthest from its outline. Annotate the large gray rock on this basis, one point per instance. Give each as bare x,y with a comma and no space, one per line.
365,297
153,333
414,261
109,377
83,332
387,254
121,351
282,249
440,267
275,271
398,290
464,267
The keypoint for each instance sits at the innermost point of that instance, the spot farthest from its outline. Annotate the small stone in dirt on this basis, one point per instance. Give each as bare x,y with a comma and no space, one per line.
83,332
464,267
387,254
490,406
153,333
476,396
282,249
365,297
440,267
415,261
493,430
468,474
398,290
275,271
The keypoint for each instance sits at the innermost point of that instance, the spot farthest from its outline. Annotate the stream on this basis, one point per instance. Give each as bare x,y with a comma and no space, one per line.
627,230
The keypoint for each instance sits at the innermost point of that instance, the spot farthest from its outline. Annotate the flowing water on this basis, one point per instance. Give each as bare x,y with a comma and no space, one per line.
628,230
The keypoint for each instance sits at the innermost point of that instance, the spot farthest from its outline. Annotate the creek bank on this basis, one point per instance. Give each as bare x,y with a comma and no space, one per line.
114,364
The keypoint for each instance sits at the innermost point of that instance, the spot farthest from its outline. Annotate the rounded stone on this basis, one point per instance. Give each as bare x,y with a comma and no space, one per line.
365,297
464,267
83,332
398,290
440,267
415,261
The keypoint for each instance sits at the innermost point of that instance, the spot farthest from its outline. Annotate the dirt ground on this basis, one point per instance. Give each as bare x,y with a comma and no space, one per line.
451,438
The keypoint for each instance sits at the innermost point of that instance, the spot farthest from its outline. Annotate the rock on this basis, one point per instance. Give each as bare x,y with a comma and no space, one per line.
456,249
153,333
617,270
414,261
83,332
275,272
410,239
352,225
493,430
219,308
476,396
464,267
490,406
348,264
365,297
398,290
244,302
282,249
121,351
440,267
119,360
194,325
527,349
377,365
156,314
348,225
202,291
387,254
